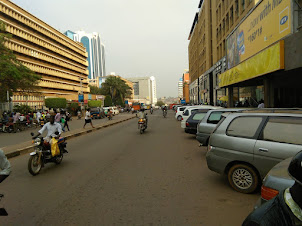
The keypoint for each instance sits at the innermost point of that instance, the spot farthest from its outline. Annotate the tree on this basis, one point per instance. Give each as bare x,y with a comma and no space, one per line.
23,109
95,90
108,101
14,76
116,88
160,103
55,102
94,103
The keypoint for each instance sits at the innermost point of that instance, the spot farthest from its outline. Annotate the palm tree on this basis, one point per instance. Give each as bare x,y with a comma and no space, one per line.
116,88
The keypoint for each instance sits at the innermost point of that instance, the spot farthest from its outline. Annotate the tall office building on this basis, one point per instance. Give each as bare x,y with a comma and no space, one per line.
180,88
96,53
144,89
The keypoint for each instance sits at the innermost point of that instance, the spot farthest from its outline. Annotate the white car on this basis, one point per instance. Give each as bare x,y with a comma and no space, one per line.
188,112
114,110
179,111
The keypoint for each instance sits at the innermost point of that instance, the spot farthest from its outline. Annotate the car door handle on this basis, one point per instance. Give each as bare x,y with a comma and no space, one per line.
263,149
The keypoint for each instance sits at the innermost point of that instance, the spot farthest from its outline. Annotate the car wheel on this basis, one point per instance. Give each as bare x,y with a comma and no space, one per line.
243,178
179,118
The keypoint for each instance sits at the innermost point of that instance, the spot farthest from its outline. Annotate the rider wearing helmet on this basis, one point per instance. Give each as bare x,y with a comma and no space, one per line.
286,207
143,115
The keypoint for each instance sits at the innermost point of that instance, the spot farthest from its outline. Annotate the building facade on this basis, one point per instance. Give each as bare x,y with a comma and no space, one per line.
255,47
144,89
180,88
96,53
60,61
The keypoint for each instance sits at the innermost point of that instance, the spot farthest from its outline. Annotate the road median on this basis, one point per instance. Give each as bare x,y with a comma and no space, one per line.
26,147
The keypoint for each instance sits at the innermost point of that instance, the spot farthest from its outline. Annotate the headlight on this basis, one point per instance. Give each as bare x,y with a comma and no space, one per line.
37,141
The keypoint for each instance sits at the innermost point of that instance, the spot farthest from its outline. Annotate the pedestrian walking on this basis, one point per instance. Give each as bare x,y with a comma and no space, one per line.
88,118
67,118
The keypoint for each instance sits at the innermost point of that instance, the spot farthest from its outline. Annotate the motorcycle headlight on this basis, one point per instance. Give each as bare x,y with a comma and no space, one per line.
37,141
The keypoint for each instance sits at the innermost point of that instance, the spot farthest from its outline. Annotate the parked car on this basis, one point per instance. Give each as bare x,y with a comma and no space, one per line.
245,146
276,180
95,113
207,125
179,111
194,119
114,110
189,110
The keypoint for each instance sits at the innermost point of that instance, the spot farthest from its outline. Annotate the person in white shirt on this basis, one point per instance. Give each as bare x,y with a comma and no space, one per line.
51,128
38,116
5,168
88,118
261,104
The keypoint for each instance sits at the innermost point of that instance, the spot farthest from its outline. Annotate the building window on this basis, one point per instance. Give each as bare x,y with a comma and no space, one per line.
231,16
242,5
236,8
227,22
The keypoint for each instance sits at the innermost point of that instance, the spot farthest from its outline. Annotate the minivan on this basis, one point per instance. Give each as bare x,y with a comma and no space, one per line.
245,146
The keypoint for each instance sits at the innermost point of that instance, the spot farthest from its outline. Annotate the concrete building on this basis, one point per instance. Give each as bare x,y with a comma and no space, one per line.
61,62
144,89
255,51
186,87
180,88
96,53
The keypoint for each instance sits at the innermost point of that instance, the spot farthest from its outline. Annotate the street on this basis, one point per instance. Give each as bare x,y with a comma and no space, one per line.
115,176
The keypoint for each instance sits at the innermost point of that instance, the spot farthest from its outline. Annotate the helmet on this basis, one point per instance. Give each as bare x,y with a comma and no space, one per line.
295,168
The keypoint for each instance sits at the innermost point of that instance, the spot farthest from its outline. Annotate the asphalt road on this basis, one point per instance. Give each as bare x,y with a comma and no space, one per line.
116,176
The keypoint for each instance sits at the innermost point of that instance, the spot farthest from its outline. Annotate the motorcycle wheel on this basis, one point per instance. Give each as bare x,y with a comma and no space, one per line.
141,131
58,159
33,167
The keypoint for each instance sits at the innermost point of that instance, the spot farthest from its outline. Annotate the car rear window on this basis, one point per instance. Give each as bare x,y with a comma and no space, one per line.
215,117
186,113
283,130
199,116
244,127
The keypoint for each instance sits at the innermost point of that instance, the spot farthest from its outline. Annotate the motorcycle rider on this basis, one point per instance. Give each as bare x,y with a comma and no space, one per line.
143,115
5,168
164,109
286,207
51,128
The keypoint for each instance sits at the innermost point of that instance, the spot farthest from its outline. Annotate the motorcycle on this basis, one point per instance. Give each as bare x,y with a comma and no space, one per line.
109,116
142,125
165,113
42,154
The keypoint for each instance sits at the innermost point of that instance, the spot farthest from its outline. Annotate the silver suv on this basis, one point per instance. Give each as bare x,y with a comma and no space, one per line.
209,122
245,146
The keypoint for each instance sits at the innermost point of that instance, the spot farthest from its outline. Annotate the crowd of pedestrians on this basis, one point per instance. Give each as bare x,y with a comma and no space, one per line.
15,121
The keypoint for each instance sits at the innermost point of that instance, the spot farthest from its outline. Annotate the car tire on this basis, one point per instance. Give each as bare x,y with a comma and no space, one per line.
179,118
243,178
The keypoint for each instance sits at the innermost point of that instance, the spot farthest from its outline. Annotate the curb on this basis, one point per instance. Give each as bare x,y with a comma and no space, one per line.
28,149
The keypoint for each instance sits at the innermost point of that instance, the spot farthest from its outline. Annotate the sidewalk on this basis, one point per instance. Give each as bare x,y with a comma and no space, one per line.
25,145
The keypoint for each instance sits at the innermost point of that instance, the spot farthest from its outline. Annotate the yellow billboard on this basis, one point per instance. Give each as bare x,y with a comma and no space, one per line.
268,60
269,22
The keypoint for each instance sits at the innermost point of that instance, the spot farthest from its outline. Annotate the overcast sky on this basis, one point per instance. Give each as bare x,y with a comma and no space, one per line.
142,37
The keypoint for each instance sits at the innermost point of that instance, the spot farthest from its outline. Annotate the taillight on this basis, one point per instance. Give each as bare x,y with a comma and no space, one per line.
209,147
268,193
187,124
176,111
182,119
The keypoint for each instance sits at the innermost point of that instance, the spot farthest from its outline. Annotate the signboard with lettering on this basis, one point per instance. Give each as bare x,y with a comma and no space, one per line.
269,22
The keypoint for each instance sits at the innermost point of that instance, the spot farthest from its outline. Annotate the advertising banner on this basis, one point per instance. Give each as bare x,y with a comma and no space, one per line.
269,60
269,22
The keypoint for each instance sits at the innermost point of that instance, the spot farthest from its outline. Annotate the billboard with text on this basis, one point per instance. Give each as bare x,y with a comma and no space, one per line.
269,22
